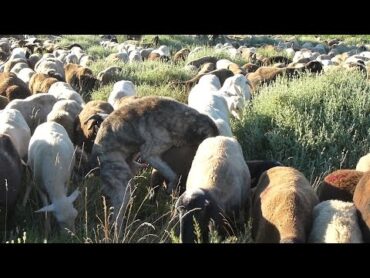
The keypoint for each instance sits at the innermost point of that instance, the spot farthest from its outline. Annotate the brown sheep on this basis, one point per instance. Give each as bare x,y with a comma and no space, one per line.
249,67
339,185
282,207
264,75
10,181
80,78
3,102
108,75
236,69
181,55
150,126
41,83
199,62
275,59
87,123
12,87
361,199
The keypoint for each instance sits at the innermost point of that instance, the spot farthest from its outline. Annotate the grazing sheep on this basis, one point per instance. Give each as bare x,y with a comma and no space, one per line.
12,87
87,123
13,124
223,64
8,66
335,222
86,61
181,55
51,159
25,75
206,100
361,199
236,69
199,62
218,188
363,164
62,90
249,67
282,207
106,76
18,67
33,59
80,78
179,159
238,85
264,75
10,181
41,83
339,185
52,67
135,56
149,125
121,89
118,57
3,102
34,108
257,167
64,112
276,59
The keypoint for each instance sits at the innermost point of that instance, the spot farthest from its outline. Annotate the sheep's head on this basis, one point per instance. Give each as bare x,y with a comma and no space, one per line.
64,211
202,128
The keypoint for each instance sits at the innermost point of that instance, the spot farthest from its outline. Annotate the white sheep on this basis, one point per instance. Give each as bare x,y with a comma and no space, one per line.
223,64
62,90
51,159
135,56
218,186
363,164
238,85
121,89
34,108
64,112
335,221
13,124
52,67
26,74
205,99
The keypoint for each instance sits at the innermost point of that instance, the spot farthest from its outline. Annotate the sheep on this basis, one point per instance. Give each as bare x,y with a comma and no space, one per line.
33,59
238,85
199,62
25,75
121,57
51,159
3,102
207,101
88,121
71,59
361,199
264,75
276,59
10,181
64,112
257,167
135,56
181,55
150,125
249,67
41,83
62,90
335,221
18,67
146,52
223,64
80,78
363,164
236,69
108,75
86,61
34,108
217,187
52,67
282,207
121,89
12,87
13,124
339,185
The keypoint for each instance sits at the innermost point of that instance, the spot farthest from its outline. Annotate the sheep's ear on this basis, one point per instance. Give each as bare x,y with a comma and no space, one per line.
48,208
71,198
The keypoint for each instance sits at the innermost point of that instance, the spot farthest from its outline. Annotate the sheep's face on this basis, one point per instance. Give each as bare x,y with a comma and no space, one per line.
193,209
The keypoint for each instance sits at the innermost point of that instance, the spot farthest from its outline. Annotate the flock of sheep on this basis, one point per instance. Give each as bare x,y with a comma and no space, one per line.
49,124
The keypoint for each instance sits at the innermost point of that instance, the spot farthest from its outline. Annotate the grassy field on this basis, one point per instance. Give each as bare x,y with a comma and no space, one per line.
315,123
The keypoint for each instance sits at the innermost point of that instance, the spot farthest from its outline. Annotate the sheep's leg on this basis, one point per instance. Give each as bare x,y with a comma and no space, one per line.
157,163
27,194
44,200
